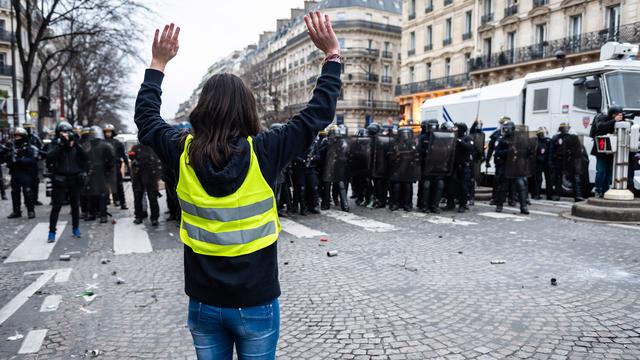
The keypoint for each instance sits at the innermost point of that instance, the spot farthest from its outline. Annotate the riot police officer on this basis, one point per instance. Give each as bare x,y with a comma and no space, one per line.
121,163
431,186
543,143
311,177
23,167
567,160
335,171
67,164
464,153
511,159
4,155
34,139
493,141
298,173
101,167
360,162
379,167
145,174
404,166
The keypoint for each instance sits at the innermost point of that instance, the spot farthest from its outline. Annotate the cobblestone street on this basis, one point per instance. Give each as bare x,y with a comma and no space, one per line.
403,286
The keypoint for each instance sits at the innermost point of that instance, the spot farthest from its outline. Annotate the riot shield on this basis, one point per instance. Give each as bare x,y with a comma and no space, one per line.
360,159
404,161
335,167
440,155
574,160
379,168
519,159
478,156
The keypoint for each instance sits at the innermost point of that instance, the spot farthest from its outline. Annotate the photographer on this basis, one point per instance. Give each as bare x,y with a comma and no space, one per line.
67,164
604,162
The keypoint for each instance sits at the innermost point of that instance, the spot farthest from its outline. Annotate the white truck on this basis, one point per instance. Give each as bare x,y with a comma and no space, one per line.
547,98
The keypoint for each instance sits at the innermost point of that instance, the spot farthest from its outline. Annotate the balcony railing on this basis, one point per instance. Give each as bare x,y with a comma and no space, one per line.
448,2
369,104
433,84
386,79
6,70
362,77
446,42
355,51
387,55
6,35
428,9
412,16
467,36
570,45
411,52
428,47
538,3
511,10
486,18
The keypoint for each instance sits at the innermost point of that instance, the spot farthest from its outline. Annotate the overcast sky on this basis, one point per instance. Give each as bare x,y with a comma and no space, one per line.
210,30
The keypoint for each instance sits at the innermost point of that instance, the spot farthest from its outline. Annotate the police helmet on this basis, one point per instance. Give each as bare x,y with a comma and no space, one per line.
184,125
503,120
447,125
614,110
111,128
96,132
20,131
462,129
564,127
373,129
332,131
508,128
405,133
275,126
542,131
63,126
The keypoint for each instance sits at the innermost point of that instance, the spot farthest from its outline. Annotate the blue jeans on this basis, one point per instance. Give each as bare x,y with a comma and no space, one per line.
604,175
254,331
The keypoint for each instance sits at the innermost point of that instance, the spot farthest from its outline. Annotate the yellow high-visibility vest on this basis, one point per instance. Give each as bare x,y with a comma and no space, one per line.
237,224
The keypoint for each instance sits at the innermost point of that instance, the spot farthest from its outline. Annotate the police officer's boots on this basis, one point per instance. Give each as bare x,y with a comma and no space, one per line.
437,197
342,193
577,188
522,195
407,196
395,196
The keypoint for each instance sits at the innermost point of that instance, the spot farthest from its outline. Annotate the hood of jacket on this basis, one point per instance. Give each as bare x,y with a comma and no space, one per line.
223,181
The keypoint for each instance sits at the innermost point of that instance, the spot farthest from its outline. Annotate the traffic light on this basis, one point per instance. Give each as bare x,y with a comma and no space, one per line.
606,144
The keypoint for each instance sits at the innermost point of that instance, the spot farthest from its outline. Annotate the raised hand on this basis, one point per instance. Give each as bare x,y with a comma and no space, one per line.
165,46
321,32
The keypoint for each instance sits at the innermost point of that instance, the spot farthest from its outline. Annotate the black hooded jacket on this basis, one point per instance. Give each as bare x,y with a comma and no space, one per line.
252,279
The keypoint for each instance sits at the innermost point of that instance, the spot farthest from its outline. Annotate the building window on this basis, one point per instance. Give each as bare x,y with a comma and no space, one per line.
429,7
468,22
412,9
370,44
387,46
575,30
412,74
511,46
541,38
448,30
428,71
3,60
487,7
3,25
412,43
385,71
467,62
447,67
428,38
580,96
486,47
540,100
613,21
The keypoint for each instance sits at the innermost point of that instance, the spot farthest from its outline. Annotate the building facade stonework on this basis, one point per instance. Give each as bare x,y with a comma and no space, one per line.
282,68
482,42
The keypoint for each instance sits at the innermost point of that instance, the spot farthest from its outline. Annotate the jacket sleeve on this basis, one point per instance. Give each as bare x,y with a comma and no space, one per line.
52,155
83,158
152,129
278,147
605,127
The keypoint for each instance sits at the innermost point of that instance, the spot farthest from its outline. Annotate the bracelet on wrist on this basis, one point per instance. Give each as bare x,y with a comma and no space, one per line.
332,57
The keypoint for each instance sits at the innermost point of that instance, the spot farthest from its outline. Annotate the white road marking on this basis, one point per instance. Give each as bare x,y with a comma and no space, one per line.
496,215
623,226
299,230
62,275
538,212
365,223
439,220
12,306
51,303
33,342
130,238
35,246
561,204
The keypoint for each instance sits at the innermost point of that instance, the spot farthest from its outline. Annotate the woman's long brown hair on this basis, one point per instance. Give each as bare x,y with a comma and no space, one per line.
226,110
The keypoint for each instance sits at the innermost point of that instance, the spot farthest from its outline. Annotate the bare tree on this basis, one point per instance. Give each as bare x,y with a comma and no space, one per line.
43,23
266,88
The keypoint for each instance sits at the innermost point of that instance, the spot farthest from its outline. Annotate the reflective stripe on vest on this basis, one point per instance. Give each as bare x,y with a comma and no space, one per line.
237,224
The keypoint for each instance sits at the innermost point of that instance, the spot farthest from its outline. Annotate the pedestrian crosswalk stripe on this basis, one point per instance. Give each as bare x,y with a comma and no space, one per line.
561,204
33,341
623,226
130,238
496,215
51,303
439,220
35,247
537,212
365,223
299,230
24,295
